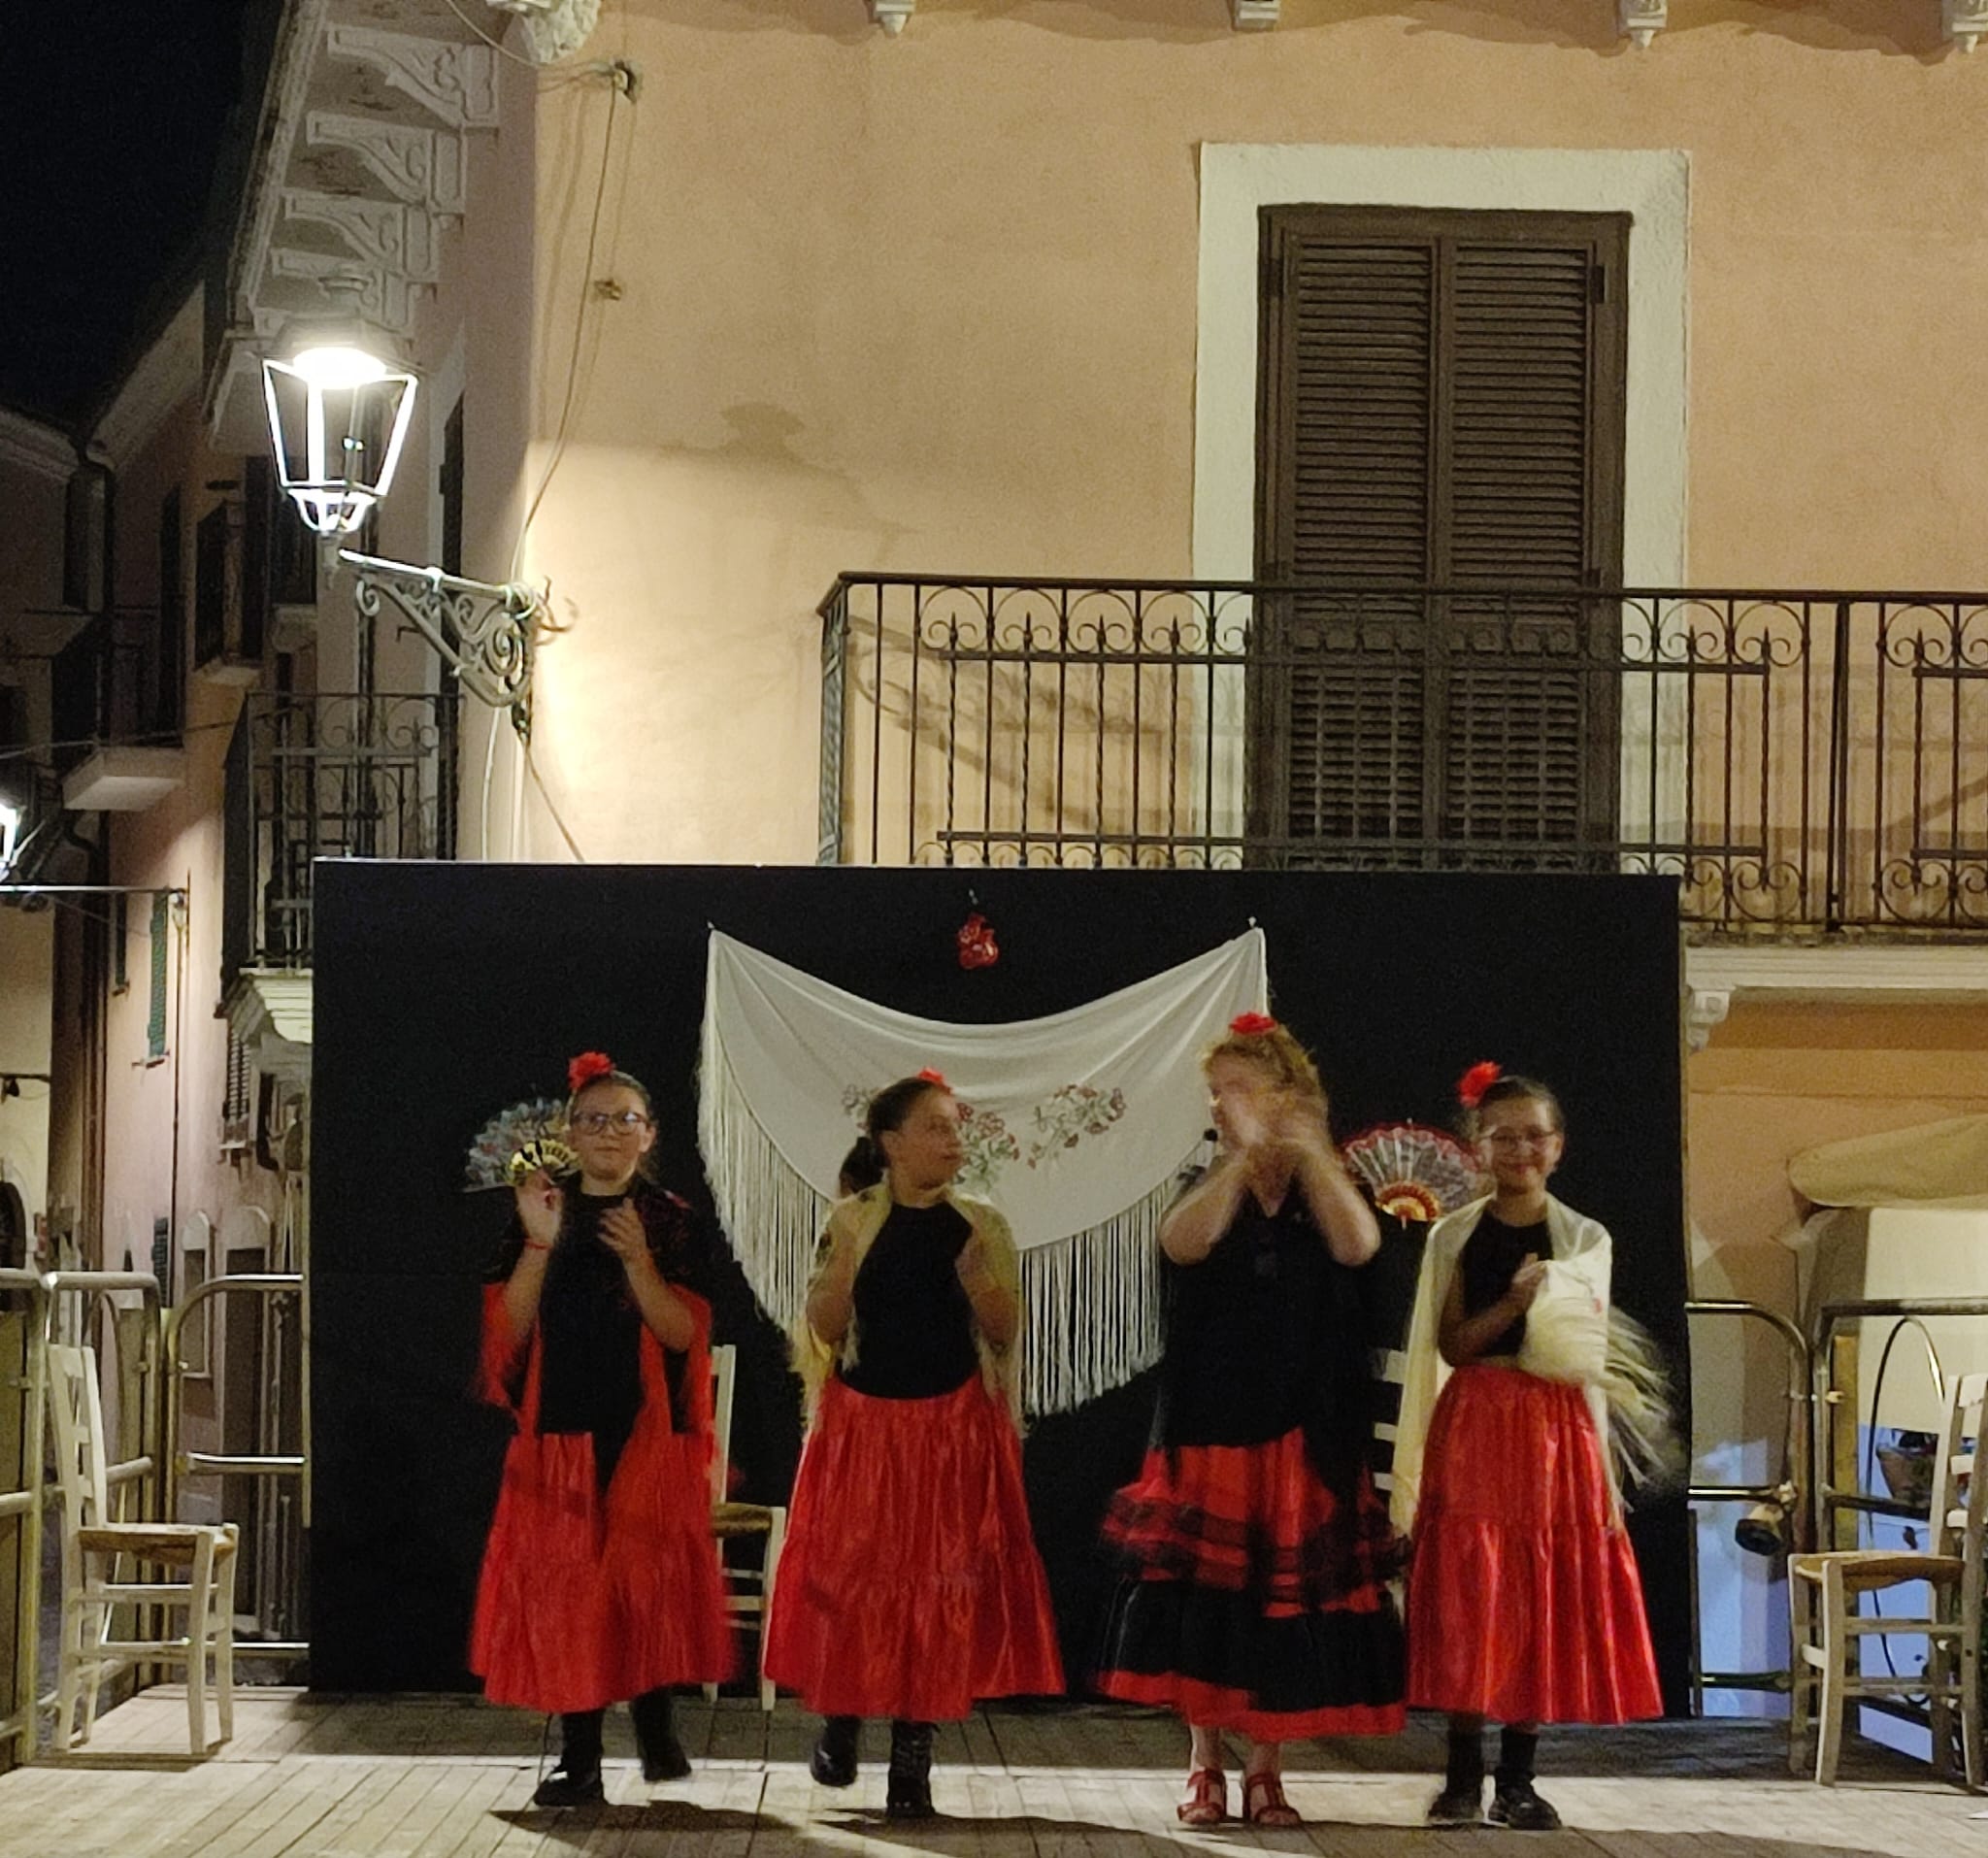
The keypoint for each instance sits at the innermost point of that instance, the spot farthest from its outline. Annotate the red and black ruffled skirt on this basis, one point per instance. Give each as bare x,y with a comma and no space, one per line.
1256,1595
1524,1600
911,1586
588,1597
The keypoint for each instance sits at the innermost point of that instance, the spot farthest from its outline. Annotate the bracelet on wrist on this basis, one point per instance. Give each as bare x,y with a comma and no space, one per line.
534,1245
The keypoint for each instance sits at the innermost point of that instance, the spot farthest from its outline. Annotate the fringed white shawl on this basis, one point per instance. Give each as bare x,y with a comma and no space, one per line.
1573,1334
1078,1125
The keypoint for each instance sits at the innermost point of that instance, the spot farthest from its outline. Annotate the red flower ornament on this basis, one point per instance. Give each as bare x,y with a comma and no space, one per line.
978,947
933,1078
1252,1025
1472,1085
584,1070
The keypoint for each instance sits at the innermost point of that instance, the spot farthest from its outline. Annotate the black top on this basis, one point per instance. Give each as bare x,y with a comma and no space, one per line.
914,1326
589,1329
1264,1334
1491,1257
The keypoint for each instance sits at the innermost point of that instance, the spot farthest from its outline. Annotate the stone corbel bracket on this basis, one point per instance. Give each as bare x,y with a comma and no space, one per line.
419,167
385,235
457,84
891,15
1254,15
1640,20
1966,21
1704,1009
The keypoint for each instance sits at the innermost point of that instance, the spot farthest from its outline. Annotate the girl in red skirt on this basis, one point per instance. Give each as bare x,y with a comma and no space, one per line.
1254,1599
911,1586
600,1579
1524,1602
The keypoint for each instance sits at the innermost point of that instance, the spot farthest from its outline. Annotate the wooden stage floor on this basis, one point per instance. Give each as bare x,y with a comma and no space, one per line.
447,1777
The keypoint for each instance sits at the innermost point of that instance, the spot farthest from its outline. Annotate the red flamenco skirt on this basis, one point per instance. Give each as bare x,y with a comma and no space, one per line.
1255,1597
910,1585
589,1598
1524,1603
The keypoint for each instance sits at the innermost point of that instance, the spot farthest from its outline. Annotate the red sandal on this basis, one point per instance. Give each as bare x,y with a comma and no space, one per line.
1207,1798
1263,1803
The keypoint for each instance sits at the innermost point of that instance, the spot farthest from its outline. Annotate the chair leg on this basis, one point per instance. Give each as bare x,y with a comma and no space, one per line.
69,1668
1800,1673
770,1567
1940,1676
199,1640
225,1645
1834,1676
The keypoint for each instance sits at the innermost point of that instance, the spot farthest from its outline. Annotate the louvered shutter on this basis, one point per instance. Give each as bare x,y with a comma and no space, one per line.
1441,406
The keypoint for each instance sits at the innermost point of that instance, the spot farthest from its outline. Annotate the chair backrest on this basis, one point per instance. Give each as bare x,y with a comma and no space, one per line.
76,1412
725,1369
1958,1502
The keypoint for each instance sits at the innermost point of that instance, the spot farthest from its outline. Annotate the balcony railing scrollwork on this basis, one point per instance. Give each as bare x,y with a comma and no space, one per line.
1803,762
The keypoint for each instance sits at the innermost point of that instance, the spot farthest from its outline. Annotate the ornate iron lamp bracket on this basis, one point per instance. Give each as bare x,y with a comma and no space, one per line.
486,634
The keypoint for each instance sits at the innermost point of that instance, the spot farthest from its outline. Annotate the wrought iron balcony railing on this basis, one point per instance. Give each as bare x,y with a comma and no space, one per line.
327,777
1803,762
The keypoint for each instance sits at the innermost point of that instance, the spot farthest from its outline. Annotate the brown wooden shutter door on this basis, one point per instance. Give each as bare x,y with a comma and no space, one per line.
1441,407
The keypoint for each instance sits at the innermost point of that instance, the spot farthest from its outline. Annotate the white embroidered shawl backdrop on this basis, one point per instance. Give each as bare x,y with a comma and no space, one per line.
1077,1126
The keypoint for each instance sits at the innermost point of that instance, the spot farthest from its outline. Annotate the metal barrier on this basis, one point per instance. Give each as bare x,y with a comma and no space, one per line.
1789,1495
268,1287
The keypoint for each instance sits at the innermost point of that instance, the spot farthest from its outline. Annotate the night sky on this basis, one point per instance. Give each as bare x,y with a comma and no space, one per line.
112,113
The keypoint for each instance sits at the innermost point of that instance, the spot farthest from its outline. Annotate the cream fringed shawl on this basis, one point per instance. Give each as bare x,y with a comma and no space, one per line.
1573,1334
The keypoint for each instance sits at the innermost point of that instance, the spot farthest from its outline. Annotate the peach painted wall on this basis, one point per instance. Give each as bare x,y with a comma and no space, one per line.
930,304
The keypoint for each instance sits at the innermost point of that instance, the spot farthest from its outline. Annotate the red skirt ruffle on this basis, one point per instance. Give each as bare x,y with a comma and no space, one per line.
1255,1598
586,1600
1524,1601
910,1585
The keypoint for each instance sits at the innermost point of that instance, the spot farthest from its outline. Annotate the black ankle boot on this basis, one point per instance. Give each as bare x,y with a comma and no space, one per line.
910,1793
577,1781
655,1735
834,1761
1461,1803
1514,1801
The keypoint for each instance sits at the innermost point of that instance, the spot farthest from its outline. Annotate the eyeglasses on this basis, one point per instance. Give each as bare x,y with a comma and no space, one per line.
597,1122
1521,1138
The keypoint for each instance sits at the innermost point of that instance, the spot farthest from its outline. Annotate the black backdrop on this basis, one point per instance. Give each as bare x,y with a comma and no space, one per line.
443,992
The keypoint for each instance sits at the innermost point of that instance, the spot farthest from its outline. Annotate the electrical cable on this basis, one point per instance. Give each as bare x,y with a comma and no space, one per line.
545,794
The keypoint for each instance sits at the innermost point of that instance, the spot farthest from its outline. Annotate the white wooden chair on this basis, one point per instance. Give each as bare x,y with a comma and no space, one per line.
749,1591
1825,1594
93,1548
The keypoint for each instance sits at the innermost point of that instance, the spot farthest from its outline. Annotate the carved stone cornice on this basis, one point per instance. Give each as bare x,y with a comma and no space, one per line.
552,28
167,375
1966,21
419,167
382,232
1640,20
891,15
455,83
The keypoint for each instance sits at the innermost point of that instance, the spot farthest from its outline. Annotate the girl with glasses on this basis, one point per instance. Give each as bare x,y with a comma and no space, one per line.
600,1579
1254,1548
910,1587
1524,1602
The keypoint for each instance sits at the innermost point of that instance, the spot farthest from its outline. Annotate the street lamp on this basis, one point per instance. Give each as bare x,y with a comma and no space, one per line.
338,415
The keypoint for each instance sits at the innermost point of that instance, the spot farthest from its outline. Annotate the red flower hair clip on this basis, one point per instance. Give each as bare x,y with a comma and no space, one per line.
1252,1025
936,1077
1472,1085
584,1070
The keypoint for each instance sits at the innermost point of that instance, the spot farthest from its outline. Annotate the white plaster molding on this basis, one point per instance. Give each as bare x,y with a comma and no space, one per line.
553,29
386,297
419,167
891,15
1874,971
30,446
1254,15
382,232
455,83
169,372
1641,20
1704,1009
1966,21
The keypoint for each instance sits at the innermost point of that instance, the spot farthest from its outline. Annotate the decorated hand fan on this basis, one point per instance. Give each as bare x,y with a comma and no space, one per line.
1413,1171
522,1139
